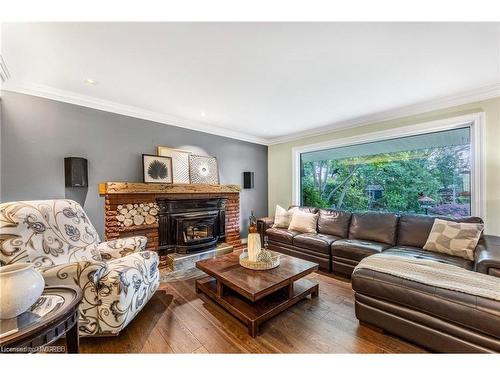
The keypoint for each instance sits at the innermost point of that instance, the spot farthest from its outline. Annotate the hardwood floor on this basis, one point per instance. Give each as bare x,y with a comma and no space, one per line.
176,320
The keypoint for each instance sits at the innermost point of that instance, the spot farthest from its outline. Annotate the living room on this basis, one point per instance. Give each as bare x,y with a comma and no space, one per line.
249,187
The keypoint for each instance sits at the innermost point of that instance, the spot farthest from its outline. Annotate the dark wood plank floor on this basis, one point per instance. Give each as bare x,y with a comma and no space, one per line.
176,320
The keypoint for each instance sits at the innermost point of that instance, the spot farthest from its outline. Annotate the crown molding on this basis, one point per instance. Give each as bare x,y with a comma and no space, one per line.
475,95
471,96
126,110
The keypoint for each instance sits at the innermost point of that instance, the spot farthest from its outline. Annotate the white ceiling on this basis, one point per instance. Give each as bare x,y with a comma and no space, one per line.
262,82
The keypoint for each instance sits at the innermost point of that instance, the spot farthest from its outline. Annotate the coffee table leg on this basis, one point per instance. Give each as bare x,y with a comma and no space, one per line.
73,339
253,329
315,292
220,289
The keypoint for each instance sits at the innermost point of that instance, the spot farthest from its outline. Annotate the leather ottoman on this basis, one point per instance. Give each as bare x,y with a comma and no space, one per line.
440,320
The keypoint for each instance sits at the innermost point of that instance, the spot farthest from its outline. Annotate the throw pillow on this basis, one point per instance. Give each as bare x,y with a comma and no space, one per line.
282,217
457,239
304,222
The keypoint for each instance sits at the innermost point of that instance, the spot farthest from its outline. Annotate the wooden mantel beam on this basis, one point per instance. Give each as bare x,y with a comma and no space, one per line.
106,188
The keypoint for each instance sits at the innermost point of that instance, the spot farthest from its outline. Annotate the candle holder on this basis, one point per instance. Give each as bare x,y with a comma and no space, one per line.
255,257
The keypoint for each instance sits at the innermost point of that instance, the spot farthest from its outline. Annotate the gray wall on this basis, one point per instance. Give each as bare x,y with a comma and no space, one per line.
37,133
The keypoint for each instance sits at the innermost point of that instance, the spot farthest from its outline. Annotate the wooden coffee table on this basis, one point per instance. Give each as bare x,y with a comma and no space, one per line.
256,296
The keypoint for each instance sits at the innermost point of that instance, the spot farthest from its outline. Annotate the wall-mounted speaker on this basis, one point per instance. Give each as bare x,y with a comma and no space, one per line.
75,172
248,180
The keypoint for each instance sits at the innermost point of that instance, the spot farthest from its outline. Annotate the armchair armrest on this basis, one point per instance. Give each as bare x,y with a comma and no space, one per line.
79,274
121,247
263,224
84,275
487,255
128,285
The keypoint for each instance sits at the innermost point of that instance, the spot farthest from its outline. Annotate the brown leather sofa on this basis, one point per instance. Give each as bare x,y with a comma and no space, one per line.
438,319
344,238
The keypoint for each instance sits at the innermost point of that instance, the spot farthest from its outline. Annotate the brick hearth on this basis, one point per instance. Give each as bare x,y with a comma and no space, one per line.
123,193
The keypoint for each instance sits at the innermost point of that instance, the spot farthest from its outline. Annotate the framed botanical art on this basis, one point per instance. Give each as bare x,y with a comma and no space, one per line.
203,170
157,169
180,163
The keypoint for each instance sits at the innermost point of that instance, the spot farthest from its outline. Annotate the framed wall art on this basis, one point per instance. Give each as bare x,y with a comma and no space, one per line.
180,163
203,170
157,169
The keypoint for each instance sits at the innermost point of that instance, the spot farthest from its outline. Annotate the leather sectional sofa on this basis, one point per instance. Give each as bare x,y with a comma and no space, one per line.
438,319
343,239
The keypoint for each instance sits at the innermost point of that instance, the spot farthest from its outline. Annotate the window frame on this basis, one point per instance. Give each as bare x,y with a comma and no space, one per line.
475,121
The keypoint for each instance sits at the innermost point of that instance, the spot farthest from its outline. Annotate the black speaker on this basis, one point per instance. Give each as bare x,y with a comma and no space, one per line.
75,172
247,180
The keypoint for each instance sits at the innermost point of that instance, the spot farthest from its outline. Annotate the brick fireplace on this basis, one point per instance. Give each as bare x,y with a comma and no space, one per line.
124,202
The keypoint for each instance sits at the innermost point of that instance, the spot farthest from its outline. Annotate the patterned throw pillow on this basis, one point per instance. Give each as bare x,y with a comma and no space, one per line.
457,239
304,222
282,217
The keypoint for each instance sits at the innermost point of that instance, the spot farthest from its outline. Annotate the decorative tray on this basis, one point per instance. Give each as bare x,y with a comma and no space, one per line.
265,261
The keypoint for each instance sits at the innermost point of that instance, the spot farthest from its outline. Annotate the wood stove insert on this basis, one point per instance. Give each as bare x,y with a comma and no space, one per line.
190,225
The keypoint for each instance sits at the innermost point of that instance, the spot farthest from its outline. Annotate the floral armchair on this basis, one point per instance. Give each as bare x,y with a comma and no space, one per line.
117,277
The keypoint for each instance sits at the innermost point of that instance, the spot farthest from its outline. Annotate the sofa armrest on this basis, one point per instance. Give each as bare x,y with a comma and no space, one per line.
121,247
487,255
263,224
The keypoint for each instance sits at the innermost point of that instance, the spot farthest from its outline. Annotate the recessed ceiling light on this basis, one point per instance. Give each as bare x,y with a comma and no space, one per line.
90,81
203,114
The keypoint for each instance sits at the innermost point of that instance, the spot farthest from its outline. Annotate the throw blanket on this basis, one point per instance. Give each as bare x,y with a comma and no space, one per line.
436,274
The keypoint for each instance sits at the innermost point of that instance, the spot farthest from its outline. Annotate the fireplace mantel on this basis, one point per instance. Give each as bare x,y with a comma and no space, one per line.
106,188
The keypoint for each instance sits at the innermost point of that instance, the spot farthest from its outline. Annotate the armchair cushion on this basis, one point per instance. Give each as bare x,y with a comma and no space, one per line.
46,233
116,249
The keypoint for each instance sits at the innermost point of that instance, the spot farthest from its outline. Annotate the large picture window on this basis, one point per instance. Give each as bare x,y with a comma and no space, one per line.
428,173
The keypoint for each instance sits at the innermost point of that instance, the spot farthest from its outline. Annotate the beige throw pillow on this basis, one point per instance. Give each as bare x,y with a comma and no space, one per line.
304,222
457,239
282,217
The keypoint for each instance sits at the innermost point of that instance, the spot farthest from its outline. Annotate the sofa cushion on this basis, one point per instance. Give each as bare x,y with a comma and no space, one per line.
281,235
413,230
415,252
316,242
374,226
357,249
334,222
